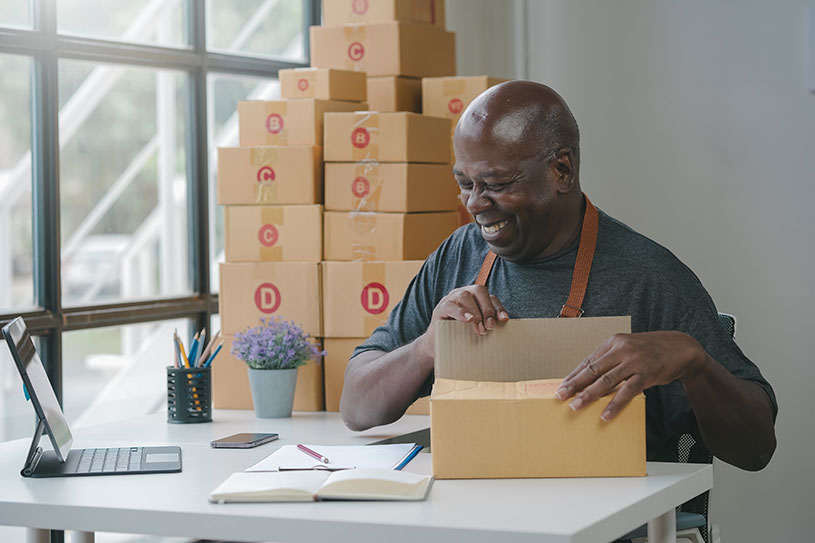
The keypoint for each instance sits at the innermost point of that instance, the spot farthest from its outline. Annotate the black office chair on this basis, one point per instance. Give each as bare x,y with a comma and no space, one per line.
693,513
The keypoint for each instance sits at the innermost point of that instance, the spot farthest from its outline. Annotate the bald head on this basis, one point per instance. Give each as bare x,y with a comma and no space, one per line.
524,118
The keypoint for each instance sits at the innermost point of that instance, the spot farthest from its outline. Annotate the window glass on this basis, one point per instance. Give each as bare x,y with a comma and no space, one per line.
118,372
16,245
123,183
271,28
15,13
155,22
224,92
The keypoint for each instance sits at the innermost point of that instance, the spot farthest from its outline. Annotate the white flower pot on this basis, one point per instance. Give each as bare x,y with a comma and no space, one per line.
272,392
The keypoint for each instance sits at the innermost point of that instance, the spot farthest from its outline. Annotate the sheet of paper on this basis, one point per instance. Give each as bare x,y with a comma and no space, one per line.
339,456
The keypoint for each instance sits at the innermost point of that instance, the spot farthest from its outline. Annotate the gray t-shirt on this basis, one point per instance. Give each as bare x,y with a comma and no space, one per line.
630,275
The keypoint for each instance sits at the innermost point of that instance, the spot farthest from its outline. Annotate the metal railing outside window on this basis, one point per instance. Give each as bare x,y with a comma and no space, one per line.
109,122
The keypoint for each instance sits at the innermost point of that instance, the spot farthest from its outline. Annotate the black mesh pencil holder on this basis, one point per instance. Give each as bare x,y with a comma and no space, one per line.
189,395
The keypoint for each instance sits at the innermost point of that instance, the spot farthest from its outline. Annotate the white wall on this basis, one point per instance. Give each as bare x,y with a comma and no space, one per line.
699,131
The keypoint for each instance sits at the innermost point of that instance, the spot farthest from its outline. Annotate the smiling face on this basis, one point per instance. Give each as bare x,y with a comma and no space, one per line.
524,197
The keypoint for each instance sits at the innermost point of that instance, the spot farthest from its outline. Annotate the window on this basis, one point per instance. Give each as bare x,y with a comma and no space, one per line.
108,223
16,242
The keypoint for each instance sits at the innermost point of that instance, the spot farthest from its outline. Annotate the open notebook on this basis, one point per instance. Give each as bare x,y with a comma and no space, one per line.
314,485
341,457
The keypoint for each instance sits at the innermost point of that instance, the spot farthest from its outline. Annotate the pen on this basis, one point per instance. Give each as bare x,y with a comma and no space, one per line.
313,454
413,452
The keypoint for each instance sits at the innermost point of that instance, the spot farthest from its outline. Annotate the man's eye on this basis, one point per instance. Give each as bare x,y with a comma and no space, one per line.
495,186
465,185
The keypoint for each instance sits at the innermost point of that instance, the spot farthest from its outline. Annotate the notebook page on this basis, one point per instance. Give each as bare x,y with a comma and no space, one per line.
340,457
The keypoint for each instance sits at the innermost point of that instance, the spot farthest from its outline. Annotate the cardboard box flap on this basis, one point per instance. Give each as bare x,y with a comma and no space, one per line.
521,349
453,389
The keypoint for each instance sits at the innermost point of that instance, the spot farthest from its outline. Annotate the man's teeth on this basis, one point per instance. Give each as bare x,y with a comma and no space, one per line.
495,227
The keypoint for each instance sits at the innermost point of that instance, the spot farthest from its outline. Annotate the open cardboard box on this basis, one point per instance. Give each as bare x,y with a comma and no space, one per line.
493,412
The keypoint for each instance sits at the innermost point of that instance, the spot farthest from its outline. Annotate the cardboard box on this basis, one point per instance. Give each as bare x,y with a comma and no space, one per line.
530,432
449,96
251,290
412,50
386,137
270,175
273,233
385,236
338,352
342,12
230,383
359,296
323,84
287,122
393,93
393,187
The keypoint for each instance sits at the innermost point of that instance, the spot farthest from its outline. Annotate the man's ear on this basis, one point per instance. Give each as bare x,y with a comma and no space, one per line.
563,164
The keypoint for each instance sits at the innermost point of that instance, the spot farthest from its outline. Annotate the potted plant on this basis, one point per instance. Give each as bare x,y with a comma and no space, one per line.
273,351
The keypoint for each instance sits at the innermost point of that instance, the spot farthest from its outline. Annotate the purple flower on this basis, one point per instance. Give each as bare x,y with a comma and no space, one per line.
274,344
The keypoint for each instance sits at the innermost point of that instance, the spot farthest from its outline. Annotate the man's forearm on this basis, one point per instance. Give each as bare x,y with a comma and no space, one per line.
735,416
379,386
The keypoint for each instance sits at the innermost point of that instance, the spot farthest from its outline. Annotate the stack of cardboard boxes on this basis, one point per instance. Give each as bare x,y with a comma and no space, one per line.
389,197
396,42
448,97
271,187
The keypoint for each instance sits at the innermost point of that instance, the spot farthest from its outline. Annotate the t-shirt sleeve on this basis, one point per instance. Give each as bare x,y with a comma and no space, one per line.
704,324
700,319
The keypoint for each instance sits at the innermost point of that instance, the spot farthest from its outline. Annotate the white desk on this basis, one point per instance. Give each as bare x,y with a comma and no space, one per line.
517,510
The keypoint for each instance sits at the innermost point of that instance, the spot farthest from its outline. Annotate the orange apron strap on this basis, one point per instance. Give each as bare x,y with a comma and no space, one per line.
486,268
582,266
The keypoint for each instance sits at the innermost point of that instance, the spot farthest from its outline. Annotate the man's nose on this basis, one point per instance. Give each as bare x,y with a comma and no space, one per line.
475,201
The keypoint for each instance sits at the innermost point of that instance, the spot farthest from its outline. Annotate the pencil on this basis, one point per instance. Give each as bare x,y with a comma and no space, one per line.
176,343
212,356
183,354
210,345
193,350
198,352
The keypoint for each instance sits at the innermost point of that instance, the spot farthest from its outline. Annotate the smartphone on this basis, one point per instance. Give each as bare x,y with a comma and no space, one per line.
242,441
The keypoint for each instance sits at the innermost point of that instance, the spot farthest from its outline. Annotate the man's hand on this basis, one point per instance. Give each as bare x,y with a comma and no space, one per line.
634,362
473,304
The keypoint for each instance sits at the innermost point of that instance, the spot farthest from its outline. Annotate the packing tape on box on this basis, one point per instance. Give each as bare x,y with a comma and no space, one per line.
362,227
366,186
374,296
276,121
356,48
271,222
365,137
265,190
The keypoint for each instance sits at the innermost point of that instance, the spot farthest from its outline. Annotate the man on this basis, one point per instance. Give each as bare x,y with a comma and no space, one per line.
517,165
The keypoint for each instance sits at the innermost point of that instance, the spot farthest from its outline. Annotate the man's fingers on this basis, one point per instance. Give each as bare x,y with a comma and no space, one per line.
570,386
602,385
489,314
503,316
470,311
631,388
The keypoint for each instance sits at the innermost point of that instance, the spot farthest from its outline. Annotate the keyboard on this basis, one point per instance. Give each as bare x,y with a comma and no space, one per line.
110,460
